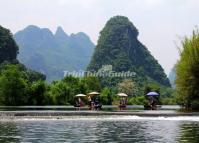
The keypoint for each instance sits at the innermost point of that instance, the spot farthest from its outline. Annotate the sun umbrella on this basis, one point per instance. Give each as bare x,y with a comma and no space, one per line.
80,95
152,93
122,94
94,93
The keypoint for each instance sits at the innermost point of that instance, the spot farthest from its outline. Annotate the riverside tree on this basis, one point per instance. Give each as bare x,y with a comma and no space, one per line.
8,47
13,86
187,72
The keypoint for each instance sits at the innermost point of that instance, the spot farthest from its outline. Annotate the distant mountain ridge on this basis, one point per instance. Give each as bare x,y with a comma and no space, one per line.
51,54
172,76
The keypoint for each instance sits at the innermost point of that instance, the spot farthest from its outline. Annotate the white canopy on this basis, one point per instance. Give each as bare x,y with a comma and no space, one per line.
94,93
122,94
80,95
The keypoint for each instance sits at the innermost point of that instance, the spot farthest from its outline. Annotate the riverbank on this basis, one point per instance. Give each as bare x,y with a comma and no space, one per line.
69,108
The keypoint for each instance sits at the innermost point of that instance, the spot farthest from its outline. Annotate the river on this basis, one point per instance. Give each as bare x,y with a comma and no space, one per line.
101,129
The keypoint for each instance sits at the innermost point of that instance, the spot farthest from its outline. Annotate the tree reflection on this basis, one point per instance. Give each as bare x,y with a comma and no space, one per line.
189,133
8,132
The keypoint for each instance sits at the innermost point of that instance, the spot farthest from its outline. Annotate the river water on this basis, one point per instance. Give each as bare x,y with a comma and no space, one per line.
101,129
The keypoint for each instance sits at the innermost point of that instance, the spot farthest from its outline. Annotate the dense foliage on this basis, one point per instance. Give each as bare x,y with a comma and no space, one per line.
8,47
52,54
63,92
187,72
15,84
118,46
19,86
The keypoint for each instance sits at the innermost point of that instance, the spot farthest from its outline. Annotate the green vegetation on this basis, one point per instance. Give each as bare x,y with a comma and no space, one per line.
63,92
16,88
19,86
13,86
187,72
8,47
16,83
118,46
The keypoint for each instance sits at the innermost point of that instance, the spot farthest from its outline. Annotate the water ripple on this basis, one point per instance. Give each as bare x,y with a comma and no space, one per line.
102,129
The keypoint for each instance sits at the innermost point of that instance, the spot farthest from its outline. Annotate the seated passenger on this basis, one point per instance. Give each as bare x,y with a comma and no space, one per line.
78,103
97,105
122,105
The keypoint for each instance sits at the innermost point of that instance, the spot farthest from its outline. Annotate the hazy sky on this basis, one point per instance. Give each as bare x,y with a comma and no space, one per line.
161,23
